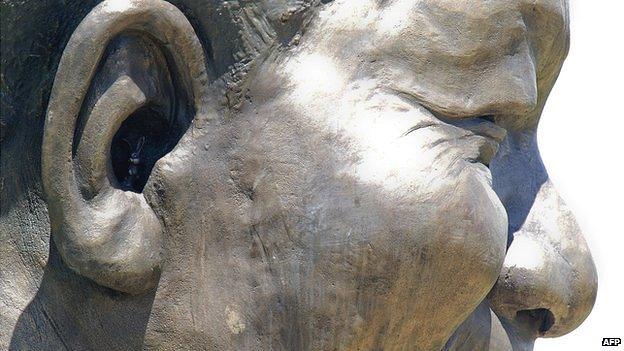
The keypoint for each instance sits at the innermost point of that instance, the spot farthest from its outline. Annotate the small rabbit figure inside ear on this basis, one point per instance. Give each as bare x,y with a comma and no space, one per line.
134,162
135,155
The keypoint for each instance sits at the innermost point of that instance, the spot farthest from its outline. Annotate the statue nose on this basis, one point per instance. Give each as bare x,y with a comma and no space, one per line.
548,281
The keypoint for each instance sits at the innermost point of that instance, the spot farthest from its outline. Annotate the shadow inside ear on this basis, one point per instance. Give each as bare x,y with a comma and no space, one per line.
144,137
70,312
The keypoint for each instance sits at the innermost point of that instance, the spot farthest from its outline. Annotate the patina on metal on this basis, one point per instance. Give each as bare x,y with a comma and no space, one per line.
283,175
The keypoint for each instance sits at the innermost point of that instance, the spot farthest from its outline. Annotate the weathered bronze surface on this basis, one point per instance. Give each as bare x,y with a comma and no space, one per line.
283,175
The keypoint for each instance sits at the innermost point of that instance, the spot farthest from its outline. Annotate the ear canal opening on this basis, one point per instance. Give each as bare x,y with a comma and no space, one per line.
143,138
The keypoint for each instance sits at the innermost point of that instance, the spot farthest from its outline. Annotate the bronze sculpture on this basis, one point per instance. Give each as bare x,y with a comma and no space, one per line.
360,175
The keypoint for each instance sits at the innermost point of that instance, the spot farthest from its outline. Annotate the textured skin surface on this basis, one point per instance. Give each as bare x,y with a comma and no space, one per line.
332,176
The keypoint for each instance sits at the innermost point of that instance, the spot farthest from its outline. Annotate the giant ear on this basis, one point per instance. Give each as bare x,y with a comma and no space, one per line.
130,80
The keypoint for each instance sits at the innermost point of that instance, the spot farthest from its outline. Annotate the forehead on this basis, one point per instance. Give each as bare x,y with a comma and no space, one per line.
486,12
476,8
541,21
236,30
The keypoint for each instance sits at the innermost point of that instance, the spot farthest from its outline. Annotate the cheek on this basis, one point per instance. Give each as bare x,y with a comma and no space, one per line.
312,239
205,268
409,249
472,229
452,247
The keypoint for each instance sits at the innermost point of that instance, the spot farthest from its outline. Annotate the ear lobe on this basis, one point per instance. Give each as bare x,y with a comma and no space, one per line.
103,231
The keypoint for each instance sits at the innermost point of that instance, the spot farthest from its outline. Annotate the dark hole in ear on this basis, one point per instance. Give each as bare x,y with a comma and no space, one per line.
143,138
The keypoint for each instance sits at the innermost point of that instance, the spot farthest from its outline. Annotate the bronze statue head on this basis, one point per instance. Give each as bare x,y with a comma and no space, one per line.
295,175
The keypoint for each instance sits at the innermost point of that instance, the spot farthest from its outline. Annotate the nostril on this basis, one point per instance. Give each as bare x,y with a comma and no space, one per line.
539,319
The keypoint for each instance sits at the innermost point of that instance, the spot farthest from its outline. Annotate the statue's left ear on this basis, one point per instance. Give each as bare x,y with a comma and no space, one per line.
130,80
